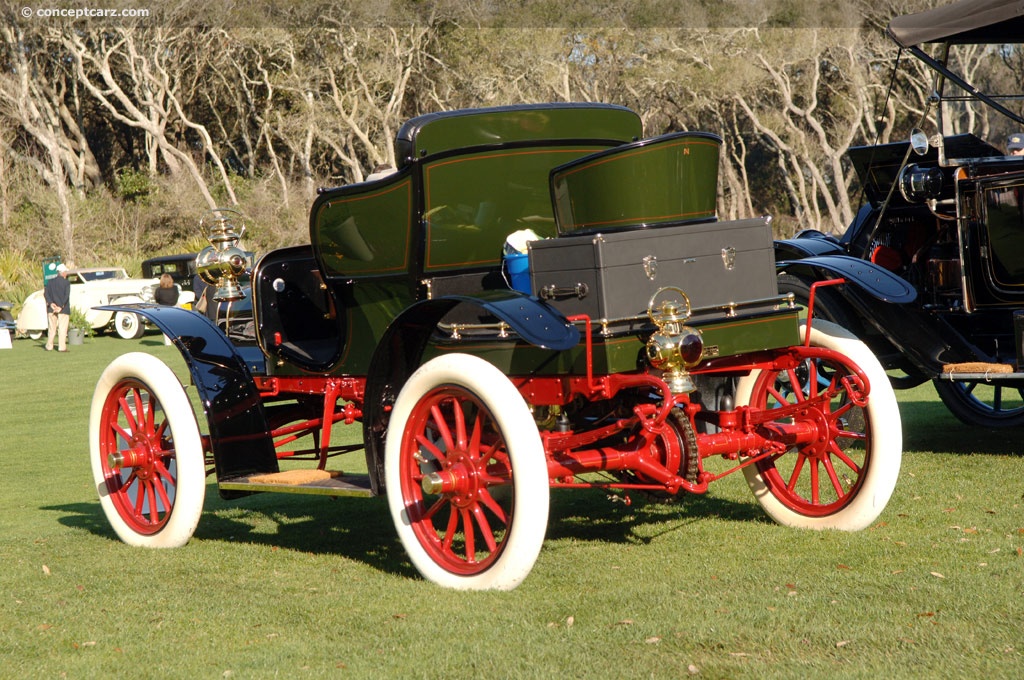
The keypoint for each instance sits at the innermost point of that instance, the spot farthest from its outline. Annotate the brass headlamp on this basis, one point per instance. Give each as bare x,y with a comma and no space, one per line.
222,262
674,347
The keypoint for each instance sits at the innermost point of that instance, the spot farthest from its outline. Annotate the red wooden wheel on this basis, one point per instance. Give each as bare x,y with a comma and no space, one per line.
147,456
842,467
466,477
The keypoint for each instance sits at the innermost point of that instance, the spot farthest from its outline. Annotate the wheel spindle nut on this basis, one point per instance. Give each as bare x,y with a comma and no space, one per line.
433,483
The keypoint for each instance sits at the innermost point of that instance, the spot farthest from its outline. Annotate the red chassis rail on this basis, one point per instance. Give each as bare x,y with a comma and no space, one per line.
644,442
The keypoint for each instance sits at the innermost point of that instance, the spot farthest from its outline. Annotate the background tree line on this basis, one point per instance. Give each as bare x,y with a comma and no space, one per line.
115,135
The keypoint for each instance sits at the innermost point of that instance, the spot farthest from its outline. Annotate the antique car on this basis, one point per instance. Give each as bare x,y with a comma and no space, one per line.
935,257
90,290
181,268
651,353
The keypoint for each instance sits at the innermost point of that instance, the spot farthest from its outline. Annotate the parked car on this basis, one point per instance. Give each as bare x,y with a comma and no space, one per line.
651,353
90,290
934,260
234,316
181,268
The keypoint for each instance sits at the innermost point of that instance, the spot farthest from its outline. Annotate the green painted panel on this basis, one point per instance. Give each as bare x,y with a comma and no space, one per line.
366,233
665,180
439,133
370,309
755,334
622,354
474,201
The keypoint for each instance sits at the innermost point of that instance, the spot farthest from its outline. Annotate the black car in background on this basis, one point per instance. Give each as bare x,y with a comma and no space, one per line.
182,268
934,260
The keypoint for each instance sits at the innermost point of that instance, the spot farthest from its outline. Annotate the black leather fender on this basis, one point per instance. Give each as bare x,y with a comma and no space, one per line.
877,281
399,353
807,244
239,434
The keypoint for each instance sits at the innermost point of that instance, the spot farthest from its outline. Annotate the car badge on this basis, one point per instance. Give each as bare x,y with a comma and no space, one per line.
650,266
729,258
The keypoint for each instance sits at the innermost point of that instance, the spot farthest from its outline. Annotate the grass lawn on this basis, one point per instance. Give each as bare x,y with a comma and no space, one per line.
305,586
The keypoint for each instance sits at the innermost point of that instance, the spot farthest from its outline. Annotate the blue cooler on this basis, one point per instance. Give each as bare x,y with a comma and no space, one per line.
518,267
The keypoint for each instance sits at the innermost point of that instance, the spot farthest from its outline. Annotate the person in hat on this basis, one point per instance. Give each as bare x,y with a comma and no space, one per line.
1015,144
57,295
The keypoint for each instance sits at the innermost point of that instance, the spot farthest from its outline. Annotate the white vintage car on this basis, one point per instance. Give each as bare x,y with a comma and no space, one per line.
91,288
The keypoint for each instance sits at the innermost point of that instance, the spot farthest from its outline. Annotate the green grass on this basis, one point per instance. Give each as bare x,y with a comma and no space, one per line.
298,586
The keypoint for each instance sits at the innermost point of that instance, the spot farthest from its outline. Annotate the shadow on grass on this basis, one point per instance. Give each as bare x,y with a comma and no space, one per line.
929,426
361,529
596,515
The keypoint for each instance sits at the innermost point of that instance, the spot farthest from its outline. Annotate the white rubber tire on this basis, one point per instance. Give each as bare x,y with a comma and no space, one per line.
129,326
154,380
530,494
886,441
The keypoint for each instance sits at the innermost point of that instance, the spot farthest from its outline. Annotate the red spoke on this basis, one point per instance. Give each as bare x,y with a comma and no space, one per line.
442,427
123,484
127,411
434,509
849,434
161,493
468,535
794,383
422,440
473,445
795,477
490,479
815,491
459,416
812,380
154,508
838,413
485,528
449,533
121,432
778,396
498,454
836,484
488,500
465,528
841,455
163,473
140,496
150,414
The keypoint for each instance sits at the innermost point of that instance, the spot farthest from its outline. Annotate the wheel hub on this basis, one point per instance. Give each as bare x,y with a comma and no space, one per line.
460,480
816,446
141,456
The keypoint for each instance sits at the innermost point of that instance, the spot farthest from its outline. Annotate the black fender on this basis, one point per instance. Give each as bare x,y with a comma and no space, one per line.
807,244
869,277
400,351
239,434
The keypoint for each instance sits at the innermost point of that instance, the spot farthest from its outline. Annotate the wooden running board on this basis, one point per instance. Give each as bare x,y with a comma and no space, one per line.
333,484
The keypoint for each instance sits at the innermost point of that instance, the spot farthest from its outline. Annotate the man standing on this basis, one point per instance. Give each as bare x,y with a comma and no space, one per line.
57,294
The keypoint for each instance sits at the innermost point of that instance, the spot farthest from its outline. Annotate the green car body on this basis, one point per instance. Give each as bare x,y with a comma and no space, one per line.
467,179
